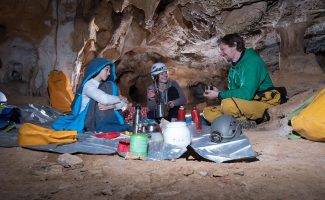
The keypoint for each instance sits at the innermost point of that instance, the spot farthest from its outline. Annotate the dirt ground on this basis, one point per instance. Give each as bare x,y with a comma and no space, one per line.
285,169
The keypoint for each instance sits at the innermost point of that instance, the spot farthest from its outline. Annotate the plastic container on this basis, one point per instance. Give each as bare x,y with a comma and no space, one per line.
156,137
178,134
139,144
192,127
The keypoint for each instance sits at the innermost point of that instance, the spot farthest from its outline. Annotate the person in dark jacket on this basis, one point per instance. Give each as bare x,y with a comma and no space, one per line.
164,91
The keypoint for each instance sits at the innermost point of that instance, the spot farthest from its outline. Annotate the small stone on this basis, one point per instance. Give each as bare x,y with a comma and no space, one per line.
240,173
107,191
70,161
43,178
47,170
203,173
79,177
187,172
83,170
97,172
54,191
132,156
220,173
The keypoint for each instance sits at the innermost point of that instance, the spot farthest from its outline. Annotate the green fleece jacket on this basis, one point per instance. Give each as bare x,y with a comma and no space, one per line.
247,77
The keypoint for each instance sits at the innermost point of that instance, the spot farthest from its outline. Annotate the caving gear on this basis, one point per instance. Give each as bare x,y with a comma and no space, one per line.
158,68
60,91
309,120
224,129
31,134
3,98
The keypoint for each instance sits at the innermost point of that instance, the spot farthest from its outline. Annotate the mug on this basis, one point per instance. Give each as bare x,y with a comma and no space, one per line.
123,146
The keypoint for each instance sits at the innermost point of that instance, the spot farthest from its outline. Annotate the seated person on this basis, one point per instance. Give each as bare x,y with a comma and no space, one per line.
97,104
250,89
165,91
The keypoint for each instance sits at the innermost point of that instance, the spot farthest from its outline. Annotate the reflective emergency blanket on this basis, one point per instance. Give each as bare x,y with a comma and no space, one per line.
237,149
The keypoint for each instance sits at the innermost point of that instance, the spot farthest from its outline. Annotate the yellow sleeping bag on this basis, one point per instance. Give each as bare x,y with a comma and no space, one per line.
30,135
310,122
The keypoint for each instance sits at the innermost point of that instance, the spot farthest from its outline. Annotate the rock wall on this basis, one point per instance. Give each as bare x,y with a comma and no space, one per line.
67,34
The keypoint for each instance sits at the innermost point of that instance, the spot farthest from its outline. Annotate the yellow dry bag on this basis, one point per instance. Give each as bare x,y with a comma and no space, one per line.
30,134
60,91
310,122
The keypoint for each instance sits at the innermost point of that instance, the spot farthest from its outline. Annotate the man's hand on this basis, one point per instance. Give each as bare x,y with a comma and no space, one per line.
105,107
211,94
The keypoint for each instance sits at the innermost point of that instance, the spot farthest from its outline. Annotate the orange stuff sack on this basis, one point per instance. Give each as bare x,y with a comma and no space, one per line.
310,122
31,135
60,91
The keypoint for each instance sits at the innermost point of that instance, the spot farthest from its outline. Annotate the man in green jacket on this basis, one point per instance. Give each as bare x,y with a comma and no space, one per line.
250,89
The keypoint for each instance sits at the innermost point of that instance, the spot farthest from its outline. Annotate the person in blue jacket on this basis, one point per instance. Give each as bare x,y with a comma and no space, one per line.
97,104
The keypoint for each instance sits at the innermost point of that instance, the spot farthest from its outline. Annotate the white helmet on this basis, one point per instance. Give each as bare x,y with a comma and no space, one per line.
158,68
3,98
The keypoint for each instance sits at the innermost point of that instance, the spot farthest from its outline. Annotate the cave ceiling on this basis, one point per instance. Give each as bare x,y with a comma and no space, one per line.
67,34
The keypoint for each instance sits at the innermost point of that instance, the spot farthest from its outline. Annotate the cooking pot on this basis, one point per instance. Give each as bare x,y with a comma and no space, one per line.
151,127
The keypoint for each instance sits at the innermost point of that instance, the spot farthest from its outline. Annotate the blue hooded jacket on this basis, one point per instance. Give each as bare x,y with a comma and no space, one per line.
76,121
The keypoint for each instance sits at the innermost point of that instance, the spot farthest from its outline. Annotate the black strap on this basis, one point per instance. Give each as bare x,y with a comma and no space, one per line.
241,114
281,90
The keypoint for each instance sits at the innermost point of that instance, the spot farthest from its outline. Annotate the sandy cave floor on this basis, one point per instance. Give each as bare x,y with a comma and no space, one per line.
285,169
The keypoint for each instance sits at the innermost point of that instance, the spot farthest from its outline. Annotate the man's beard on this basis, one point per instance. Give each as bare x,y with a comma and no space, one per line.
227,59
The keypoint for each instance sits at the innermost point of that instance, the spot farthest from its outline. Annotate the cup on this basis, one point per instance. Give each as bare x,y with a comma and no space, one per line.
123,146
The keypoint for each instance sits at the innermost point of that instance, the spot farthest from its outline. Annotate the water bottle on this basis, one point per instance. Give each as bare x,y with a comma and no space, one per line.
181,114
196,118
160,111
137,119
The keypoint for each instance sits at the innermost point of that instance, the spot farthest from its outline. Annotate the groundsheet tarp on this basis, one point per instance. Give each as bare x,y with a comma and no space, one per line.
238,149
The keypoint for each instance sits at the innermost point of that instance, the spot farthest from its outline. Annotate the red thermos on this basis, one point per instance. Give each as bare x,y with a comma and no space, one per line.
196,118
181,114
